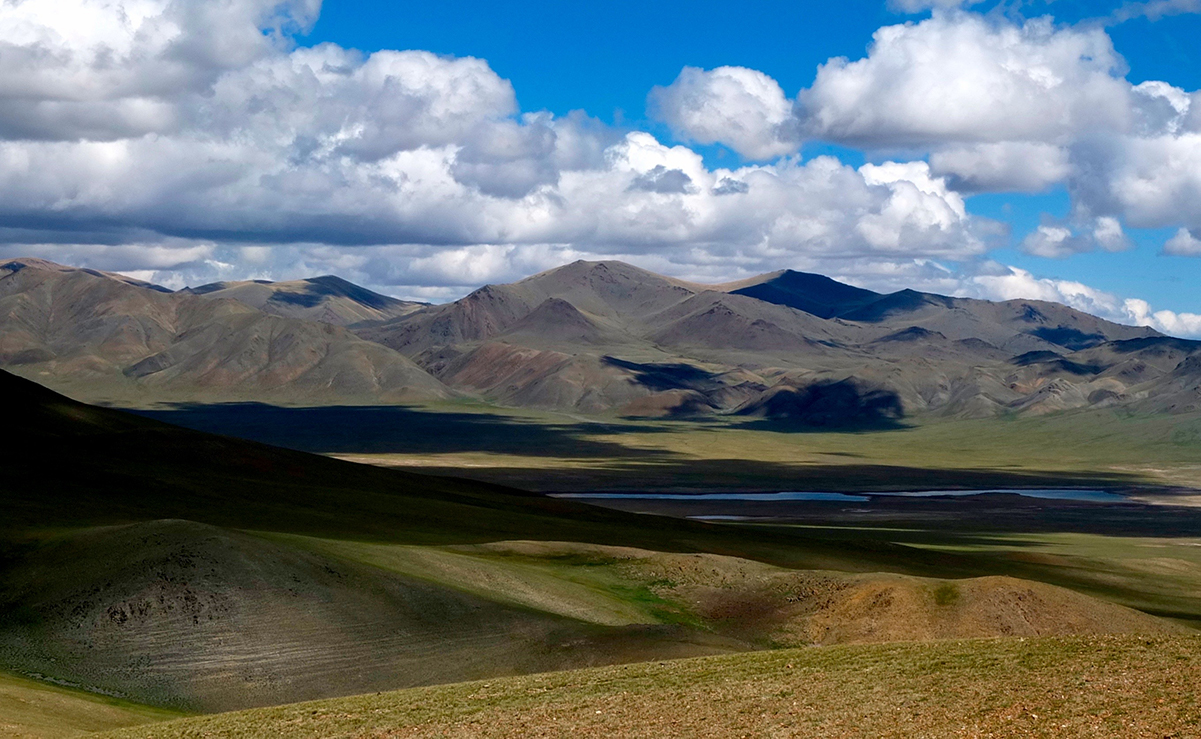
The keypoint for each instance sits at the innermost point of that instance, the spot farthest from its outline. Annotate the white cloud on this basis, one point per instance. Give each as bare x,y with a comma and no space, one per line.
966,78
1155,9
1053,241
1170,322
104,69
1011,283
1107,233
1058,240
328,148
192,141
741,108
1021,166
1154,182
1183,244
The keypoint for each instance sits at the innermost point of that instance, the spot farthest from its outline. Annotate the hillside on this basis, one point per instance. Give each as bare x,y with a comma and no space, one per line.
601,338
606,337
31,709
1075,687
178,569
326,299
102,337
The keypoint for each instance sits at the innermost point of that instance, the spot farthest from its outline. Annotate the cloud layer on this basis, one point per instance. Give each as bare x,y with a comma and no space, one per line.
994,105
191,140
126,123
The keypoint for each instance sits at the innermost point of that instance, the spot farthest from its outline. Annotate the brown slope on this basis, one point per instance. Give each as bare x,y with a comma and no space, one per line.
104,338
326,299
1016,326
543,378
480,316
722,321
937,354
557,322
618,293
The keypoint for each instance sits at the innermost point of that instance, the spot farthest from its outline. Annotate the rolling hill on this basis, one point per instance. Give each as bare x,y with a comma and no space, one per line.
174,568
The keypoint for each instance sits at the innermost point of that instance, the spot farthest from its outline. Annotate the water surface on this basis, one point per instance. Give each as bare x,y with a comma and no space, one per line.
1080,494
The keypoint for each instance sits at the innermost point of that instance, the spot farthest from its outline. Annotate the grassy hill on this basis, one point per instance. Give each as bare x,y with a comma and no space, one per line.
176,568
1070,687
31,709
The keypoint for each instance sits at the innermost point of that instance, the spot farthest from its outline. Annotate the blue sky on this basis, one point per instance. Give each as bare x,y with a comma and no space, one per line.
604,57
1043,148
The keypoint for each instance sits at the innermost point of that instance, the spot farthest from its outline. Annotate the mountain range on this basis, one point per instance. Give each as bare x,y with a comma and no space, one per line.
587,337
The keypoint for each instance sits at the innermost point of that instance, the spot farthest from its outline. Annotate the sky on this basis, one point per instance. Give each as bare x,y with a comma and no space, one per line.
1045,149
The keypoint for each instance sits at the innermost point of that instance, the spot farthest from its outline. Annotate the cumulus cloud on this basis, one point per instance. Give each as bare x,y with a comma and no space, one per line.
1058,240
1011,283
1183,244
424,157
739,107
190,141
1019,166
103,70
967,78
1170,322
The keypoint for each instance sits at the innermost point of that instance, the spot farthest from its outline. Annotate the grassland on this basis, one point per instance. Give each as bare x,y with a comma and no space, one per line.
31,709
547,451
568,577
1077,687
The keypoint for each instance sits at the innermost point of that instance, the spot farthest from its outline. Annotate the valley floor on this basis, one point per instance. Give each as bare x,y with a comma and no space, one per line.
1062,687
554,452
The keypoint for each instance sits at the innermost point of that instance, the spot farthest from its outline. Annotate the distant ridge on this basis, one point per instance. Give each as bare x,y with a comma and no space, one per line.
566,338
589,337
106,337
327,299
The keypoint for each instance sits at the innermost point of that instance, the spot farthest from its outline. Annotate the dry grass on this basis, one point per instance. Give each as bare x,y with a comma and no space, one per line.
1080,686
34,710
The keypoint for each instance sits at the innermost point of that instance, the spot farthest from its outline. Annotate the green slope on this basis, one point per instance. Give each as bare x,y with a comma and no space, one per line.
36,710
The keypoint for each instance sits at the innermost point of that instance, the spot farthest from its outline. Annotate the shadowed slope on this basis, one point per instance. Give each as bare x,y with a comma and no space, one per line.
816,294
125,468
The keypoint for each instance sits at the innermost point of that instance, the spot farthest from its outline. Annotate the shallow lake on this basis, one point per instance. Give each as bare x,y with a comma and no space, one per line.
1092,496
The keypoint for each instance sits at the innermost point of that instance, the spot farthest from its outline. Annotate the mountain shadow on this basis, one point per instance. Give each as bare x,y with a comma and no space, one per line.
827,404
386,429
667,376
